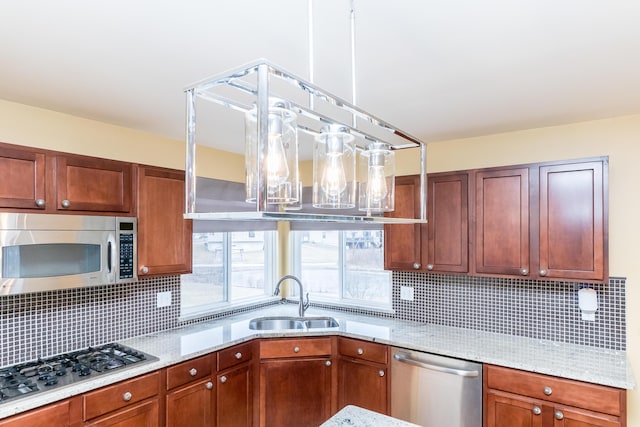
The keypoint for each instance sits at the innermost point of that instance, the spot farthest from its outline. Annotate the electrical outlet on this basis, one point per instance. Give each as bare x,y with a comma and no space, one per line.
406,293
163,299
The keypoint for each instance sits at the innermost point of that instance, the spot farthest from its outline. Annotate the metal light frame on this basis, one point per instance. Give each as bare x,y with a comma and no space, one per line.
264,74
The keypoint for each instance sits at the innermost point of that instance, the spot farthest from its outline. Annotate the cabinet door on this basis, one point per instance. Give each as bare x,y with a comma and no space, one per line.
23,179
502,221
507,410
402,249
574,417
295,392
363,384
573,221
141,415
93,185
448,223
191,405
234,398
164,236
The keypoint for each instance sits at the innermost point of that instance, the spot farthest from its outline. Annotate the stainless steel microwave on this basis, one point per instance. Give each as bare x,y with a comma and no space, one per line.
43,252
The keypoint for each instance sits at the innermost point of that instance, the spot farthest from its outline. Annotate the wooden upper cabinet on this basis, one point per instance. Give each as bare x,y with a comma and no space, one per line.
23,178
447,230
92,184
402,242
573,221
502,221
164,236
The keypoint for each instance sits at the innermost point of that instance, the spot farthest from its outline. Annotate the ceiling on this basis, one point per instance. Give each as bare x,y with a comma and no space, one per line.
436,69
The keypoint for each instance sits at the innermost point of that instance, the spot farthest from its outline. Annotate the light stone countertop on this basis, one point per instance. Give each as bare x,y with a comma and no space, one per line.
354,416
599,366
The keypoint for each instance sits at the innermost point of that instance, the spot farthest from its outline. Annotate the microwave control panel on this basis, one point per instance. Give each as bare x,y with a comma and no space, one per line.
126,256
126,232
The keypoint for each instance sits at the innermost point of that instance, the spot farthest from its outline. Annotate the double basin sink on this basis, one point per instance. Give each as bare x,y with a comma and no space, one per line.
279,323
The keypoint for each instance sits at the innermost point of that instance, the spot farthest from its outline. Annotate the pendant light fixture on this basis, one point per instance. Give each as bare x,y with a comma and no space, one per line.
334,169
377,187
279,163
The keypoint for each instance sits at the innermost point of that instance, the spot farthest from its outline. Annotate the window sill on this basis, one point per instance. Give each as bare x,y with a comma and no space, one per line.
223,309
355,307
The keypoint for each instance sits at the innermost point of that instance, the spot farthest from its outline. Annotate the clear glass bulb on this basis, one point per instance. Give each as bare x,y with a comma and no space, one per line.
376,184
277,167
333,181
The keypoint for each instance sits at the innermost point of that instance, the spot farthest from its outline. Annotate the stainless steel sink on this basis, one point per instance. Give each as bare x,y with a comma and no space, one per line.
279,323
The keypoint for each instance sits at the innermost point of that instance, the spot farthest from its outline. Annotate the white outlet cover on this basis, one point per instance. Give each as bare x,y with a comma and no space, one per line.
406,293
163,299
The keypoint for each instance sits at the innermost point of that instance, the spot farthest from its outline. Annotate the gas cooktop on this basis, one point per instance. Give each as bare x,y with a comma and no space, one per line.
46,374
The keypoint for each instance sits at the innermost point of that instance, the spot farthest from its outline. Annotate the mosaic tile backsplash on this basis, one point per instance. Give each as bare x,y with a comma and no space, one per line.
49,323
529,308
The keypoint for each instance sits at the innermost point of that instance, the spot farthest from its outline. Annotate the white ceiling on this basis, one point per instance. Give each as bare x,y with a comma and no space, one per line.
438,69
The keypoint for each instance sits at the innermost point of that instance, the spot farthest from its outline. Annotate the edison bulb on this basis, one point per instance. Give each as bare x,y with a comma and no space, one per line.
277,167
376,184
333,181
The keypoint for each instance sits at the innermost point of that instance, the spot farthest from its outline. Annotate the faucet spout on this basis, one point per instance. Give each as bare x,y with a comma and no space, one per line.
302,307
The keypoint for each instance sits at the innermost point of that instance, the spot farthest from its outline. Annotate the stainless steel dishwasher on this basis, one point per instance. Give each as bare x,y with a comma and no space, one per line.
435,391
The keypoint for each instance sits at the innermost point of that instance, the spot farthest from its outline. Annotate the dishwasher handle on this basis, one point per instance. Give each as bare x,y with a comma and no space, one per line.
460,372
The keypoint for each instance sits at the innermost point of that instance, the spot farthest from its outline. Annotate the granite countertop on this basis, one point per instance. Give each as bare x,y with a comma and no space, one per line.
599,366
354,416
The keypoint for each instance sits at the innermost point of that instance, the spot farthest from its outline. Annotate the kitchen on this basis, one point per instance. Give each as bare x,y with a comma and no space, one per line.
612,136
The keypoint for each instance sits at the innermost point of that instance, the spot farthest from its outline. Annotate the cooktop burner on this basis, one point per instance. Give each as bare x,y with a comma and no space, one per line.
46,374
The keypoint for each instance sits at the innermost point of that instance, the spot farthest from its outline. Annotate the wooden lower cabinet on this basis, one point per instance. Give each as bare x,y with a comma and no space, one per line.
190,405
145,414
295,382
234,397
523,399
67,413
363,375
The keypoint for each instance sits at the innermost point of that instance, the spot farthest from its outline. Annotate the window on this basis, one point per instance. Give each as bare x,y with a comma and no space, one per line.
228,267
343,266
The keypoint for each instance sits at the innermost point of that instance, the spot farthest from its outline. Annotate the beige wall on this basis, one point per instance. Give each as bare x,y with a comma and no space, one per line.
619,138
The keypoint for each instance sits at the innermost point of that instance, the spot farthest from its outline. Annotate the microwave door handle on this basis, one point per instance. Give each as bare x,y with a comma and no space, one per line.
109,255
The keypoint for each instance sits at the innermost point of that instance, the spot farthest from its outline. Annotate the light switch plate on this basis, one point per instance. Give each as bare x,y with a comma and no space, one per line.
406,293
163,299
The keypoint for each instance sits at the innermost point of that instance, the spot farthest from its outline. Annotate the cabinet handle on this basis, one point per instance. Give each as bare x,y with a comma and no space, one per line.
547,391
238,355
209,385
524,271
40,203
536,410
559,415
296,349
127,396
429,267
381,373
416,266
543,272
360,351
65,203
328,363
223,379
144,269
193,372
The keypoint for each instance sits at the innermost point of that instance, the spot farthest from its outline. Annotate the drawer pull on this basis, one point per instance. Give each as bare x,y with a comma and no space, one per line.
223,379
416,266
360,351
547,391
209,385
536,410
144,269
127,396
381,373
65,203
40,203
193,372
296,349
524,271
429,267
238,355
543,272
328,363
559,415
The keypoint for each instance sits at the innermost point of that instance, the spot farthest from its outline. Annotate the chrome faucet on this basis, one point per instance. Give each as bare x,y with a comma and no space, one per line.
302,307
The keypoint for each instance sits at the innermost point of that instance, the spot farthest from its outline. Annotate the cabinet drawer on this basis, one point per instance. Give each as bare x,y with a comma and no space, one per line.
270,349
107,399
234,355
188,371
594,397
372,352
